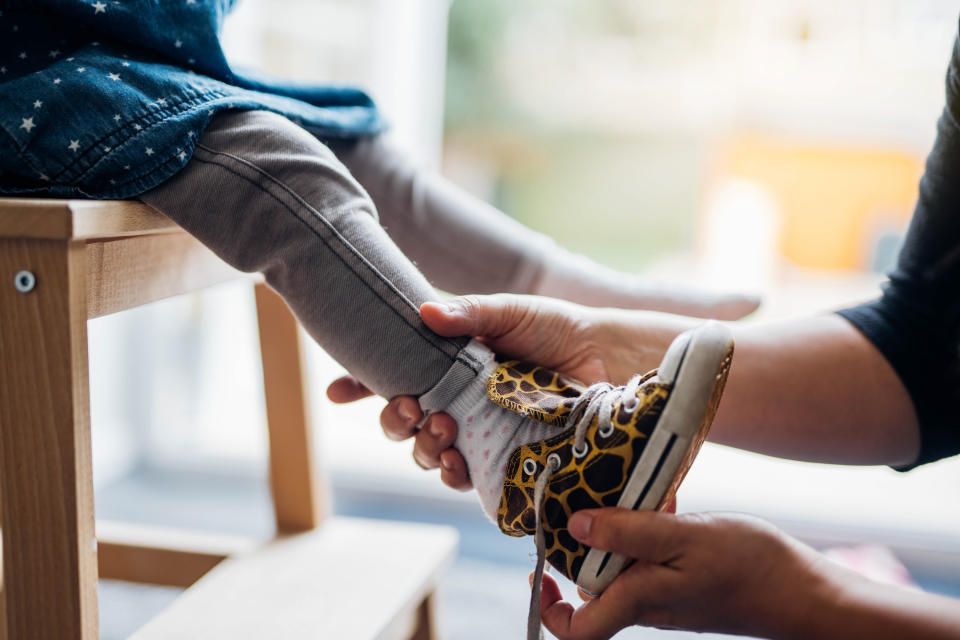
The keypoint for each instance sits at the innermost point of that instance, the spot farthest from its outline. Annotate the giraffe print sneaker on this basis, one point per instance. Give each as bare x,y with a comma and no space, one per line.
626,447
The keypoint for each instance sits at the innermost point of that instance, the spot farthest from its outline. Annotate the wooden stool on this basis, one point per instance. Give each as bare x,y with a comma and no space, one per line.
65,261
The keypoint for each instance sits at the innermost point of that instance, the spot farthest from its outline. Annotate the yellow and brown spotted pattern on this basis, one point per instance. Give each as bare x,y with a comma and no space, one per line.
595,480
541,394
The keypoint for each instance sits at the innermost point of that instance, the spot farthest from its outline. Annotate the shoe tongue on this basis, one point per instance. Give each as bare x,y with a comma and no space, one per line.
534,392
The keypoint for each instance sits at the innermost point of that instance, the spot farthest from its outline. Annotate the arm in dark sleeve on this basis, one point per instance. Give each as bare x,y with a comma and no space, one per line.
916,322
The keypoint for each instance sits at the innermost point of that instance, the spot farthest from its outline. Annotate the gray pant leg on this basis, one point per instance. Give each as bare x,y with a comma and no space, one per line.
462,244
268,197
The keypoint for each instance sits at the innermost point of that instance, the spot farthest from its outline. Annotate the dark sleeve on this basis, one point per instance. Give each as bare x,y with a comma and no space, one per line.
916,322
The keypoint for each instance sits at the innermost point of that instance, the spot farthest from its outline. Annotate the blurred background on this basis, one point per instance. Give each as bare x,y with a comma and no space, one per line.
766,146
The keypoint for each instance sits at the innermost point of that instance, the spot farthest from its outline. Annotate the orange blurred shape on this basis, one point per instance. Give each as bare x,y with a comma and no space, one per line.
832,200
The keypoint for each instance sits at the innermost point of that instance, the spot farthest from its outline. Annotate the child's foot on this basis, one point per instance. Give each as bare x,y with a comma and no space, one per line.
625,446
590,447
598,446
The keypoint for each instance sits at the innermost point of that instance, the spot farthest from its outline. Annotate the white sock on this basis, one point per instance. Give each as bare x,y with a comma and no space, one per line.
487,435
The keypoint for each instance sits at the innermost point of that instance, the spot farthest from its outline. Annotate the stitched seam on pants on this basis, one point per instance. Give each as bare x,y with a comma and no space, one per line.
373,270
469,360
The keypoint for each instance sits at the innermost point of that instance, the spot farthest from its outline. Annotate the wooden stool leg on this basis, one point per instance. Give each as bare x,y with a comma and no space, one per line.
49,548
297,503
426,625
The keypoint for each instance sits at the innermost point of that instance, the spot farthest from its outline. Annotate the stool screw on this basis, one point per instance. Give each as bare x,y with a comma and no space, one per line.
25,281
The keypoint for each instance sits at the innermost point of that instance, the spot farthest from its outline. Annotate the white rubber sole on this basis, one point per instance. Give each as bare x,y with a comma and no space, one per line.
696,363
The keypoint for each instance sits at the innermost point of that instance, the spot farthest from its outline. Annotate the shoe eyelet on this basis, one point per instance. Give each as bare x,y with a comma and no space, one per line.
554,460
581,452
631,404
606,431
529,466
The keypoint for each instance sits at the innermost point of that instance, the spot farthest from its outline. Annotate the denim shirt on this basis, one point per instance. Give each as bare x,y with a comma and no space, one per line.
106,98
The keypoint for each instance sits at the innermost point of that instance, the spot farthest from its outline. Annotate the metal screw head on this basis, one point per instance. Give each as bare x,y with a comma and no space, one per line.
25,281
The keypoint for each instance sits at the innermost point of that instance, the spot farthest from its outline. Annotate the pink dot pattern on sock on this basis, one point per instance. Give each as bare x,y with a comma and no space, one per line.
486,434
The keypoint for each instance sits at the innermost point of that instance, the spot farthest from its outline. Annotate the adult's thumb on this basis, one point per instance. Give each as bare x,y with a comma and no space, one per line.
490,316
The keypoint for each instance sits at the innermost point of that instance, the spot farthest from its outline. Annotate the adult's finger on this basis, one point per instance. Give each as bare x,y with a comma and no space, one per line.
347,389
554,612
453,470
400,417
490,316
598,619
648,536
437,435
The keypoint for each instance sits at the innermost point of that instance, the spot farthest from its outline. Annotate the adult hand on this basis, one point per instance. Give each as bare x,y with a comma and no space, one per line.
701,572
735,574
586,343
556,334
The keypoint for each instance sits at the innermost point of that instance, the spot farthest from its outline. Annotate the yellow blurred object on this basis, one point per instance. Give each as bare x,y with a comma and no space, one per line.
833,202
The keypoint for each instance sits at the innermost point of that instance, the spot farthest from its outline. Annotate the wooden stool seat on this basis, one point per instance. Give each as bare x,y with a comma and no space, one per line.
350,578
65,261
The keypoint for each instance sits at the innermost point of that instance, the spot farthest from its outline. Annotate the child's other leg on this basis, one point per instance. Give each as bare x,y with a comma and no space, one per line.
268,197
464,245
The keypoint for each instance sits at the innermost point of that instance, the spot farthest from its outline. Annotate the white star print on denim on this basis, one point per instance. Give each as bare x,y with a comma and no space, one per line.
86,86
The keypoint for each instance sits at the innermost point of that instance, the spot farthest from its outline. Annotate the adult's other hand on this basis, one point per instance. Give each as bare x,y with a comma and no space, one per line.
702,572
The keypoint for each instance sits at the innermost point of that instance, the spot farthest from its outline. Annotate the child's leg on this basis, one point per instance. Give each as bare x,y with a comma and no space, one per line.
266,196
433,220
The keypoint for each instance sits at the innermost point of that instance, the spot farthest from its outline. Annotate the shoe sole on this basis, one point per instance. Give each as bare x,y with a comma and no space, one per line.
698,368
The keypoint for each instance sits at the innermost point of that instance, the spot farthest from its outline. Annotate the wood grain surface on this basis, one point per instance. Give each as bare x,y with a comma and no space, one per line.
298,501
46,487
350,578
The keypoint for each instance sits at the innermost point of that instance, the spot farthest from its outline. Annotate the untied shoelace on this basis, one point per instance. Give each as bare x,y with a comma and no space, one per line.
598,400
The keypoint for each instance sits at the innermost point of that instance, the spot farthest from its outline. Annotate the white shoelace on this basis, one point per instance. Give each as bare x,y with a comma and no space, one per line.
598,400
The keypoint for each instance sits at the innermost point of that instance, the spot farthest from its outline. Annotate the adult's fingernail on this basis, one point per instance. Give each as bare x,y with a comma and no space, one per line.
580,525
445,463
435,430
405,414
